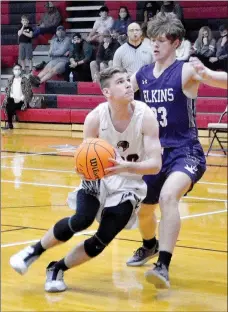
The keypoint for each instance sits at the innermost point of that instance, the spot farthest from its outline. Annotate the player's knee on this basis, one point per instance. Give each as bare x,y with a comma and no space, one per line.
62,231
93,246
167,198
146,211
80,222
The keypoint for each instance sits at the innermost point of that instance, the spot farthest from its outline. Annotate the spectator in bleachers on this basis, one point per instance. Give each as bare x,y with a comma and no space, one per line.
25,34
49,21
145,38
133,54
18,94
119,28
59,52
220,60
183,52
173,7
104,57
151,8
103,22
204,46
80,56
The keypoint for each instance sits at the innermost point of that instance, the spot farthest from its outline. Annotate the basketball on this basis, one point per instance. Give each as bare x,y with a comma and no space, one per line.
92,158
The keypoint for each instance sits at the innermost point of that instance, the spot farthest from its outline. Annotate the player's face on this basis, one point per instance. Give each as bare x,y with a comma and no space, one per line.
120,88
162,47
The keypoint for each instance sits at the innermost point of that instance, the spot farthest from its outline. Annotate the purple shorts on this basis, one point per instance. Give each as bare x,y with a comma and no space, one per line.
189,159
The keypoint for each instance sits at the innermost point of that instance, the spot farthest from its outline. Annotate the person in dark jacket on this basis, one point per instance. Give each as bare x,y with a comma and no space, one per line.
105,54
80,56
18,94
220,60
119,28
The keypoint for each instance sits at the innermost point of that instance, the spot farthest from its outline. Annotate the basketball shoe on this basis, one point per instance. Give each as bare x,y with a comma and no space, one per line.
21,261
158,275
54,279
142,255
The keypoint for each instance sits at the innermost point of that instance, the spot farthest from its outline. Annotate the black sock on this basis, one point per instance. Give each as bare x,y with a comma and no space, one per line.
149,243
60,265
38,249
165,258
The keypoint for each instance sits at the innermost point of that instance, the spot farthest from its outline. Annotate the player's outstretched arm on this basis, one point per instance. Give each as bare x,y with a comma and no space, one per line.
205,75
91,125
134,82
152,148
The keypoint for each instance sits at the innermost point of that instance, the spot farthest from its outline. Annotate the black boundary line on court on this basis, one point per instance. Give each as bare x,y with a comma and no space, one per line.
62,155
11,230
135,241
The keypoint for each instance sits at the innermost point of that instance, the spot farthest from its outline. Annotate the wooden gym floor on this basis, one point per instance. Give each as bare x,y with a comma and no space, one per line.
38,173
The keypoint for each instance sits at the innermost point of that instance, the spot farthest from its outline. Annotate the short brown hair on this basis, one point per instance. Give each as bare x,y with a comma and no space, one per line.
166,24
108,73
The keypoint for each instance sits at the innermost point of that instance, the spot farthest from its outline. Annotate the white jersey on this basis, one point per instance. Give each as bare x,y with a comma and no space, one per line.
129,143
116,189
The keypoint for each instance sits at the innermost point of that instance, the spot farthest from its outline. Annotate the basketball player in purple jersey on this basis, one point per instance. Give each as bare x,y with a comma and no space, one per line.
168,87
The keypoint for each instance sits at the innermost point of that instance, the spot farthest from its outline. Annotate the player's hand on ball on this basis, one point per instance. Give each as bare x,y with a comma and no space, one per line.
119,166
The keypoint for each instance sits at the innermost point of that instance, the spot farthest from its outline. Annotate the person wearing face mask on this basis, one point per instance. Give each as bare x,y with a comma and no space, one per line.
120,25
18,94
80,56
49,21
105,54
204,46
220,60
59,52
103,22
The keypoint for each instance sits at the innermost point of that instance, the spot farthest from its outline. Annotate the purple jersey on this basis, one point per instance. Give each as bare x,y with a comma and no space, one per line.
174,111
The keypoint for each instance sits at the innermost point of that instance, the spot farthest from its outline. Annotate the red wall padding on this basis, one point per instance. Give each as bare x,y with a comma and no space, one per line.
79,115
209,105
5,19
114,5
203,120
88,88
45,115
3,116
11,50
79,101
4,8
193,4
8,61
205,90
205,12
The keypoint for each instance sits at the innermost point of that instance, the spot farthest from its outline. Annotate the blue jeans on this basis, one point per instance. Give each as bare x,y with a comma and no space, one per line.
43,30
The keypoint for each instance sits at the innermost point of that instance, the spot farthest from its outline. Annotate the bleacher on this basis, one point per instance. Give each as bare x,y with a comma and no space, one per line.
69,103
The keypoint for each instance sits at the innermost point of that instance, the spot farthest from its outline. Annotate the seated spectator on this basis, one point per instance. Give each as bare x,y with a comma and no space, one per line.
18,94
102,23
59,52
204,47
133,54
220,60
49,21
183,52
120,25
151,8
174,7
145,38
105,54
80,56
25,34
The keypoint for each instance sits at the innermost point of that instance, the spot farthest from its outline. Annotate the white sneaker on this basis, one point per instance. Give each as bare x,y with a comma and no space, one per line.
21,261
54,282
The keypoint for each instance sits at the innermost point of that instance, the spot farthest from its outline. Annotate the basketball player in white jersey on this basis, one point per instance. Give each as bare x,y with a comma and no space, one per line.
131,127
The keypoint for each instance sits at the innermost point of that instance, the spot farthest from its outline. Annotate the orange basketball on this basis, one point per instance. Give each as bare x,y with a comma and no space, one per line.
92,158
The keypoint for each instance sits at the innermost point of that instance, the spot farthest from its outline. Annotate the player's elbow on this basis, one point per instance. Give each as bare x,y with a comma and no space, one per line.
156,167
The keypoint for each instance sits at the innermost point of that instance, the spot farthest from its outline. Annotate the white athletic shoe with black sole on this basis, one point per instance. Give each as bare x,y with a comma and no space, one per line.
21,261
54,281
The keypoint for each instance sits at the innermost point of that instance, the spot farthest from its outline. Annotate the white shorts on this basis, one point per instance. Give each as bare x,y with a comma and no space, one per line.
113,191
